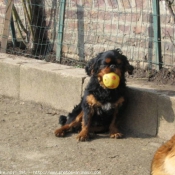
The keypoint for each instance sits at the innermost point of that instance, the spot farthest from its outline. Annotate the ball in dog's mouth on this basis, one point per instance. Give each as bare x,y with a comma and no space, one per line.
111,80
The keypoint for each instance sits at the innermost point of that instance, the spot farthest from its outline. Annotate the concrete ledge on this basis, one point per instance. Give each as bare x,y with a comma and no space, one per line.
52,84
141,113
9,77
57,85
150,110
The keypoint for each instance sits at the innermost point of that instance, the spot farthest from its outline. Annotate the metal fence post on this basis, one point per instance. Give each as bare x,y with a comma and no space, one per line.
60,29
12,26
157,34
6,28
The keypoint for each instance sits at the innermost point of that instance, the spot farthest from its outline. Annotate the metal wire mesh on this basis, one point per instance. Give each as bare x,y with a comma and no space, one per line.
90,27
167,17
36,37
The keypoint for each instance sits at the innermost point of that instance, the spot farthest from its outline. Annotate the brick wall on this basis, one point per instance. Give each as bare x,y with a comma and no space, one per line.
167,33
108,24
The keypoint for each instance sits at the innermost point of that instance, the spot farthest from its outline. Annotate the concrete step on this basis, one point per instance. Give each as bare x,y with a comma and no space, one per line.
151,108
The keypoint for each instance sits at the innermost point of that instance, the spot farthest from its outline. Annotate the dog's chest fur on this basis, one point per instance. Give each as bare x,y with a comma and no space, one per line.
103,114
107,99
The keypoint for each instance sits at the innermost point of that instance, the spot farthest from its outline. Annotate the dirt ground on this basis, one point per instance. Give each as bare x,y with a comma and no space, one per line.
28,146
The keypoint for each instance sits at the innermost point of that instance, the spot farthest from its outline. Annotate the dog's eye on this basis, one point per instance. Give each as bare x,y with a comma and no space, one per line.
119,65
112,66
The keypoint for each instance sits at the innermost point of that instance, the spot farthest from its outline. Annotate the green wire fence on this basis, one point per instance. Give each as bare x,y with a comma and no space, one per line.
55,30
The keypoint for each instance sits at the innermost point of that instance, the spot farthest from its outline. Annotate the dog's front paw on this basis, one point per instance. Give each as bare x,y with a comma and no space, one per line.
60,133
117,135
83,136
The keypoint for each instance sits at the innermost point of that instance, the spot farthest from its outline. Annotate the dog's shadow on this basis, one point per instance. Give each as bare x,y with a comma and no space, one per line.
126,135
147,112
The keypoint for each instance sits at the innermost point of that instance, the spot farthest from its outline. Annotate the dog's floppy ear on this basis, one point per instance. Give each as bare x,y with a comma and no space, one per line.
89,66
128,68
92,65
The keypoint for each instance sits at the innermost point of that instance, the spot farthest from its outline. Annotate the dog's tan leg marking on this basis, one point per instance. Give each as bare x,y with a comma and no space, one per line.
61,131
84,134
114,132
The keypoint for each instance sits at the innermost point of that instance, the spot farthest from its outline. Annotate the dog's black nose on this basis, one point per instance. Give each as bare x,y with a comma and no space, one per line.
112,66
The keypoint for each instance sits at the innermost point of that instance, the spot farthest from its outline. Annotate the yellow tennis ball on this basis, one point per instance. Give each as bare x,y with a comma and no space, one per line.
111,80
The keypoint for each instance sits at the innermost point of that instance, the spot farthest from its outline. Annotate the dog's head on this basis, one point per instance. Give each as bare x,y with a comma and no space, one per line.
109,61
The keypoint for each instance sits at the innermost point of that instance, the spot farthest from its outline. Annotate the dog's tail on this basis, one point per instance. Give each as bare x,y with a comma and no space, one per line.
71,116
62,120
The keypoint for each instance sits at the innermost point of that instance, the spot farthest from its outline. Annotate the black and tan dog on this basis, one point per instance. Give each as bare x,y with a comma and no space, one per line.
99,106
164,159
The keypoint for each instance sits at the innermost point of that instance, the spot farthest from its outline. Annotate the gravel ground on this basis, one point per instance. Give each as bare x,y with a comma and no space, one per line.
28,146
